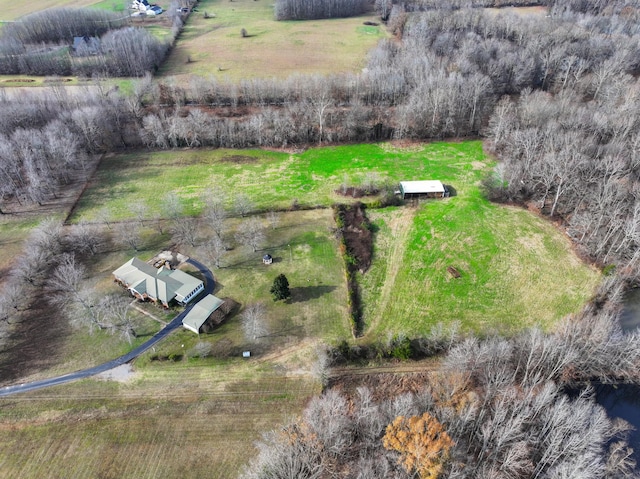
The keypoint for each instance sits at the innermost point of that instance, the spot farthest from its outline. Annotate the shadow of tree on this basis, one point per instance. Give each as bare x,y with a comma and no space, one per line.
305,293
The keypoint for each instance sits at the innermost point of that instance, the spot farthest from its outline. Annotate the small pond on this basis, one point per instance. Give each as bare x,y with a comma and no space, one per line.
624,401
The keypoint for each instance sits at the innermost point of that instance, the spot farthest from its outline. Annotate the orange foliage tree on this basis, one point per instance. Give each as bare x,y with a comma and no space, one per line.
422,442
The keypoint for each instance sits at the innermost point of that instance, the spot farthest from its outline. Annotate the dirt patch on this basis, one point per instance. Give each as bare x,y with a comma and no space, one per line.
57,80
356,247
384,386
239,159
121,374
355,192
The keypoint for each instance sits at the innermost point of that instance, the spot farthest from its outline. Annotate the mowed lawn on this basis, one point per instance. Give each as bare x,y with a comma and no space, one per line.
187,420
214,46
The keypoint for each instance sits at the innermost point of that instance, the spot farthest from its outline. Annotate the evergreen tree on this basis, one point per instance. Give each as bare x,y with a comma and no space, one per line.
280,288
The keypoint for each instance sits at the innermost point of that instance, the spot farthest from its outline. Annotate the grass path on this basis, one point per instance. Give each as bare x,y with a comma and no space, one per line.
400,226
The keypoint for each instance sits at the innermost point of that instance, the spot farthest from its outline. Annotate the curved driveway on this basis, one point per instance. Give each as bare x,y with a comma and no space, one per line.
130,356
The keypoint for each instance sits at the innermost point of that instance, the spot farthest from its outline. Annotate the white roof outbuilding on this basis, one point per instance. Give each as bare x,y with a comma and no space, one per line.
424,187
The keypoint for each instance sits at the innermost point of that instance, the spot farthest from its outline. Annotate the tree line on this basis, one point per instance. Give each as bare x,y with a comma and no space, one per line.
314,9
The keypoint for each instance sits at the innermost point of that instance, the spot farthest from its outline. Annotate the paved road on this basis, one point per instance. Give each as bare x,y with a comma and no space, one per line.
130,356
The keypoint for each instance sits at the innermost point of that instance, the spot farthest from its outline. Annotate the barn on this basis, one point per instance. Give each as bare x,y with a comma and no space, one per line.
422,189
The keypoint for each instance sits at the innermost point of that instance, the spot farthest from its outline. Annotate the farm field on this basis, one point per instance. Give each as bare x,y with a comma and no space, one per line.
191,420
516,269
214,47
12,9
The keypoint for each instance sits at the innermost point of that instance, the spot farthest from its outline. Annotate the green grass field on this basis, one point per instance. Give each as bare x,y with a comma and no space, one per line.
272,180
273,49
516,269
188,420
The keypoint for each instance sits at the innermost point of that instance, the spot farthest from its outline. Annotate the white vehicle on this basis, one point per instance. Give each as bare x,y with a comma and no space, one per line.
142,6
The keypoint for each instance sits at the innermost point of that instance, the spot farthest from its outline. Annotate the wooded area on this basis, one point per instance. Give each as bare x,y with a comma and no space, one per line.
497,408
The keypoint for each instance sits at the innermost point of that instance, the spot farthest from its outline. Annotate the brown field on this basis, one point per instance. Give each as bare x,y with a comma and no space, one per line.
12,9
188,420
214,46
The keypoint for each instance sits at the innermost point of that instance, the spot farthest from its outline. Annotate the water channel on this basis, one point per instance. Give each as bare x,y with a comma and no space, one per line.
623,401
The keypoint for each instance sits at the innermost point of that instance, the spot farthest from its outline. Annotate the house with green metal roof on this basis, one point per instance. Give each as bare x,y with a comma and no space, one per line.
157,284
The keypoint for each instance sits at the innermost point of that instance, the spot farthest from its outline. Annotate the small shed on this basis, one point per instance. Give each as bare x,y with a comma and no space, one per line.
424,189
267,259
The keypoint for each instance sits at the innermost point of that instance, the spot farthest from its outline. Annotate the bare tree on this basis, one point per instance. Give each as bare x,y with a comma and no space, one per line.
215,215
273,218
254,322
242,204
104,215
85,238
215,250
185,230
140,210
171,206
129,235
251,233
115,316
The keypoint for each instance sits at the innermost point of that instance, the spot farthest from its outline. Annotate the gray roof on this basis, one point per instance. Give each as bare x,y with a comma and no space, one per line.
424,186
162,284
200,312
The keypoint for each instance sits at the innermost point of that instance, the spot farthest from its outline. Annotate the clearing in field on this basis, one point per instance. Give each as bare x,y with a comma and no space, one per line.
215,46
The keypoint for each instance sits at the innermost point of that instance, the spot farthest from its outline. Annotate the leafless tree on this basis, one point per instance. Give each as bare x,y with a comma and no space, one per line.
251,233
215,215
185,230
242,204
215,250
254,319
129,235
140,211
85,238
171,206
273,218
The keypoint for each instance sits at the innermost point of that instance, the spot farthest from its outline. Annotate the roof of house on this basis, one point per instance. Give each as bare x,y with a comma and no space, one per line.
200,312
424,186
86,44
163,284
